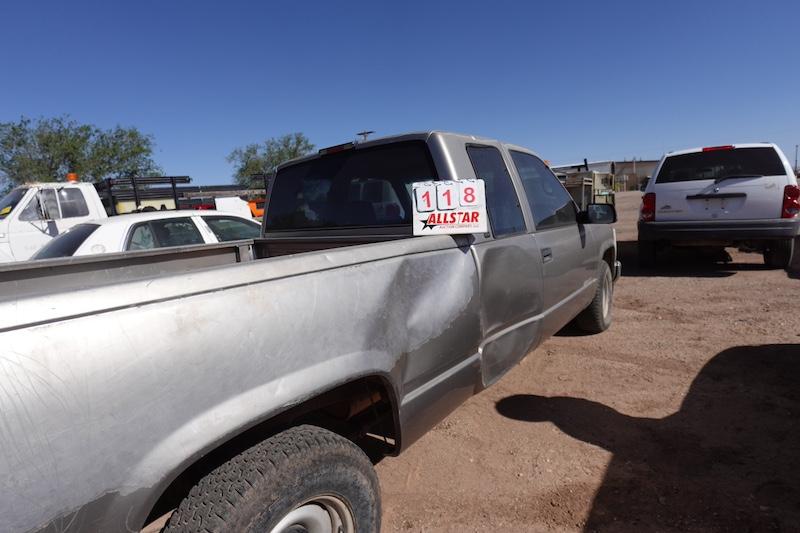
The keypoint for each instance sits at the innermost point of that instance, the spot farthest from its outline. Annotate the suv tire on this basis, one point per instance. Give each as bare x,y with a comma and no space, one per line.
303,479
778,254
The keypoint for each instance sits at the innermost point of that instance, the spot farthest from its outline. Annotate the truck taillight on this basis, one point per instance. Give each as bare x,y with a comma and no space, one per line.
791,201
648,212
715,148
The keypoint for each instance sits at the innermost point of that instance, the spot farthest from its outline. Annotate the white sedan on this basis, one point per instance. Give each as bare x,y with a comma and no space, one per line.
147,231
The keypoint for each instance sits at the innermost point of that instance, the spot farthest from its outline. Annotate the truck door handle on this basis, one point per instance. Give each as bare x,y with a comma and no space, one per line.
547,255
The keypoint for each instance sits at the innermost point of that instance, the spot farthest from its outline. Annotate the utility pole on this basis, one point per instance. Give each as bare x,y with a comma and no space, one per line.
795,158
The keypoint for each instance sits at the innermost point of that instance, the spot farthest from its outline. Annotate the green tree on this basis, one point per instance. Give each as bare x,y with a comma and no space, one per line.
47,149
255,160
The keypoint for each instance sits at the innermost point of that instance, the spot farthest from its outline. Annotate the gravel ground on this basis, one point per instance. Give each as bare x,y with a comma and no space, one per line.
683,417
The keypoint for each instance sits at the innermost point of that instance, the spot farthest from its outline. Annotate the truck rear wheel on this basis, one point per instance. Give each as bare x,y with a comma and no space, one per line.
596,318
303,479
778,254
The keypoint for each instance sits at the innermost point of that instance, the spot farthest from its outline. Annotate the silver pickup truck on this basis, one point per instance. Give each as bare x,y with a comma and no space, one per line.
251,386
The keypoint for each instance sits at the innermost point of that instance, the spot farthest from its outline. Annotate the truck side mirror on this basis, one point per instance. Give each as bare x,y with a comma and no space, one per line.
52,228
598,214
41,206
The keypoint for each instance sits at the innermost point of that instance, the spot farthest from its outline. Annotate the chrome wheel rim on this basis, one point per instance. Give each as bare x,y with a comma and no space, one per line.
321,514
608,287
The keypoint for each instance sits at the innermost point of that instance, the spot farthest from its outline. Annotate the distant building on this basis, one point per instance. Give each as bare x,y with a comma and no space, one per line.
625,175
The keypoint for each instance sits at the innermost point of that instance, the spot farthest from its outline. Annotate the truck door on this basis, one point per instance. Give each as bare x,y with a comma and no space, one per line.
47,213
510,270
567,261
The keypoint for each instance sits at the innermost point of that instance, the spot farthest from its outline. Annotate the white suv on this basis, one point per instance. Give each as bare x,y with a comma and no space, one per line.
742,195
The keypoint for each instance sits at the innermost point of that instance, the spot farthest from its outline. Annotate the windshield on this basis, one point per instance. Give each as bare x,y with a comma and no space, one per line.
67,243
356,187
10,201
721,164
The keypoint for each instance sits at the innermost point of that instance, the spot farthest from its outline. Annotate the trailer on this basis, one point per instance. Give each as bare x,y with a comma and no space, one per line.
589,187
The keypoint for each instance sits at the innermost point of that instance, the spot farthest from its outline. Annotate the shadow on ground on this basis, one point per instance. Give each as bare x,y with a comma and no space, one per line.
682,262
728,460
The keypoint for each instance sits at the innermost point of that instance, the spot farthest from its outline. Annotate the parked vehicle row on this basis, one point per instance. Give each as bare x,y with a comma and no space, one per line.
250,385
34,213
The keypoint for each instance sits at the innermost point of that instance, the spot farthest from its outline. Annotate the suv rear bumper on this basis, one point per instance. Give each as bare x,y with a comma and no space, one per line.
715,230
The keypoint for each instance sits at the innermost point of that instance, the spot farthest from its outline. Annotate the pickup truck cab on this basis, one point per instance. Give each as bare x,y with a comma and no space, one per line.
743,195
33,214
249,386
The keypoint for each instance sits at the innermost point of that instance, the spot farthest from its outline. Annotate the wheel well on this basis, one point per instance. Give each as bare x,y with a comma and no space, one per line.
363,411
608,257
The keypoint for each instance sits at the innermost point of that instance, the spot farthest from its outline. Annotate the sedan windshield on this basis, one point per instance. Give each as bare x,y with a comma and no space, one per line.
10,201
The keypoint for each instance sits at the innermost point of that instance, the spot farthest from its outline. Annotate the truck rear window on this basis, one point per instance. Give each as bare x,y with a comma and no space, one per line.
718,164
355,187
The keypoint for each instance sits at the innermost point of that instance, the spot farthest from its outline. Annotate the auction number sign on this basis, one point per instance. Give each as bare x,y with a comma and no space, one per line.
449,207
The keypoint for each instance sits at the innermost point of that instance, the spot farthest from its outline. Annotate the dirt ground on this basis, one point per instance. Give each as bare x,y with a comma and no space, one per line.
684,416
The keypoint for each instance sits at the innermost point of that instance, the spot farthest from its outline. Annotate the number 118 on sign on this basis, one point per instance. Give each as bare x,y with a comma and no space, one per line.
449,207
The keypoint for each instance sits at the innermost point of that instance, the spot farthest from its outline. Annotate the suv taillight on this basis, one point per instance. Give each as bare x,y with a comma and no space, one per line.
791,201
648,212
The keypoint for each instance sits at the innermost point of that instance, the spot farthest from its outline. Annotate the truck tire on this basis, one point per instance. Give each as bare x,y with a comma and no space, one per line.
303,479
778,254
646,251
794,264
596,318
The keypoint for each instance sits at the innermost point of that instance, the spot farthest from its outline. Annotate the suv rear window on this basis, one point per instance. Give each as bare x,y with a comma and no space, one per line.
718,164
355,187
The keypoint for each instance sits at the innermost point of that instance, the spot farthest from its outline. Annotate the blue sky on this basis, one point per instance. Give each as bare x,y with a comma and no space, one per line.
567,79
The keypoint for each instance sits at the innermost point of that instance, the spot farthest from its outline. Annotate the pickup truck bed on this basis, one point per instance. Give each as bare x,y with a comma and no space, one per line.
127,380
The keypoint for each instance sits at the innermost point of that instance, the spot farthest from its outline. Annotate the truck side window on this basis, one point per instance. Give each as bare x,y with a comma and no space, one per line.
550,202
32,211
72,203
505,213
